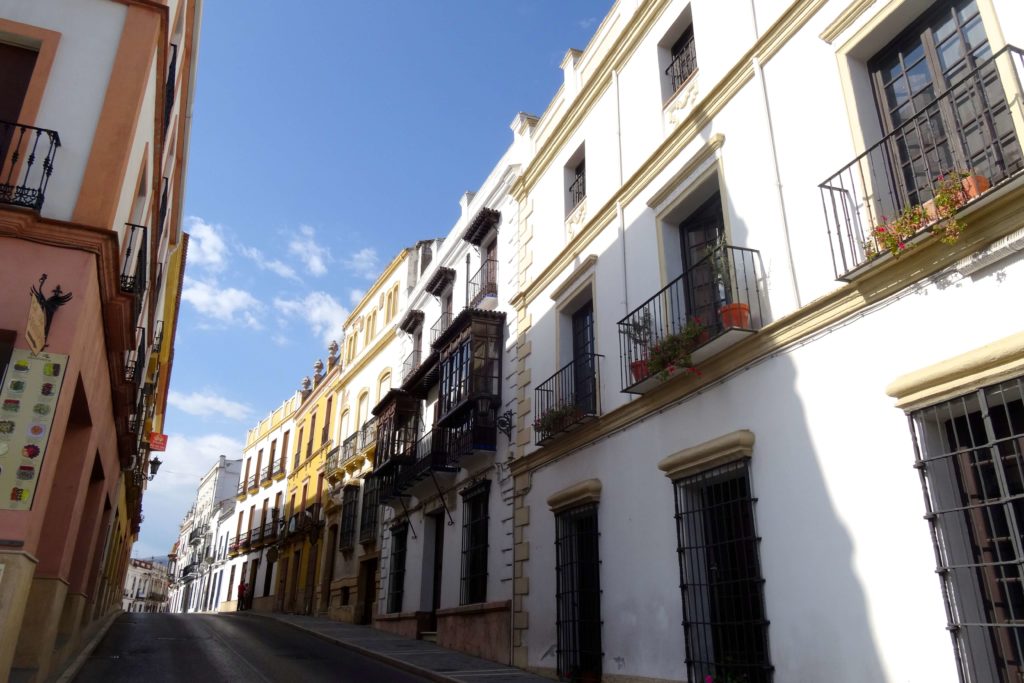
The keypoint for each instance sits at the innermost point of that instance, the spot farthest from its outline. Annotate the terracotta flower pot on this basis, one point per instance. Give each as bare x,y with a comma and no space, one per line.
735,315
974,185
639,370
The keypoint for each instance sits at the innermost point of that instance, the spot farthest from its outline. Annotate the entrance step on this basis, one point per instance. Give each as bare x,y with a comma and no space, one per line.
429,636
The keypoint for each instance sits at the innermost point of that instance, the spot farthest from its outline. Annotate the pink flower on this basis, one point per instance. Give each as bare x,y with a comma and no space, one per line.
709,679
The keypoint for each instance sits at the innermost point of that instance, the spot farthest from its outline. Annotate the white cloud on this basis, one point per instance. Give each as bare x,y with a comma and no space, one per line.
208,404
355,296
173,490
227,306
314,256
206,246
273,265
364,262
325,315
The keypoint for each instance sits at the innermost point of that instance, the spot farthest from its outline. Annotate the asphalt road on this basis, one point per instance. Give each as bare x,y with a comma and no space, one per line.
198,648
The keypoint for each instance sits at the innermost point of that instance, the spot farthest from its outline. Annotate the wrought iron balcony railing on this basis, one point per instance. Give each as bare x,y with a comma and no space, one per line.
266,473
578,188
136,359
134,268
332,463
719,293
245,540
242,490
409,365
253,483
172,72
484,284
368,434
442,324
158,336
684,61
568,398
349,447
968,129
429,453
26,163
163,212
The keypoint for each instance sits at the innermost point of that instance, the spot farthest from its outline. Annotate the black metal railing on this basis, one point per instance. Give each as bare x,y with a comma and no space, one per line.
172,72
684,61
233,547
484,283
442,324
245,540
967,129
368,510
349,447
720,292
189,569
349,511
409,365
568,398
429,453
368,434
578,189
266,473
136,360
163,212
26,163
241,488
333,461
253,482
135,269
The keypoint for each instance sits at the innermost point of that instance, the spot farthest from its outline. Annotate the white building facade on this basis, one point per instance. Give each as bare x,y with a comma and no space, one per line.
145,587
671,215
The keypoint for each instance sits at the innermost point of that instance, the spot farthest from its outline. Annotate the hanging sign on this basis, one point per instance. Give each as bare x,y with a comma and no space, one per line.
28,398
157,441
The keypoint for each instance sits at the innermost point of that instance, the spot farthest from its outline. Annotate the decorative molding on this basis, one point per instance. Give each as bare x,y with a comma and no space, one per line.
845,19
719,451
689,168
585,268
576,219
588,491
990,364
683,101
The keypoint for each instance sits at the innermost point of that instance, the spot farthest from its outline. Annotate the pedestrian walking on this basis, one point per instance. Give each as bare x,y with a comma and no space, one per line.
241,596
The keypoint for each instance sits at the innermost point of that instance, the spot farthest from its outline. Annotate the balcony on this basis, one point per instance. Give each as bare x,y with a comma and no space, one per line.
712,306
483,286
253,484
134,364
195,537
578,187
439,327
349,447
279,471
190,571
368,435
245,541
241,494
409,365
158,336
26,163
397,417
568,399
267,475
968,129
172,71
430,453
134,275
332,465
684,61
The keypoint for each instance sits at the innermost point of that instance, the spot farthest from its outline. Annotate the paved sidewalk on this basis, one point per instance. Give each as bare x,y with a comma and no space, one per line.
415,656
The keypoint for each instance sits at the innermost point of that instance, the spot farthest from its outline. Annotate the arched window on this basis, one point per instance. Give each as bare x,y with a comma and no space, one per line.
383,384
363,408
346,428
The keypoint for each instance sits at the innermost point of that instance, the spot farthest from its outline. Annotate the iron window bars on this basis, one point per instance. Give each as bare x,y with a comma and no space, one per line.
163,212
409,365
568,398
134,271
970,455
396,580
971,117
724,624
172,70
684,60
578,187
368,434
22,181
722,291
368,510
442,324
474,543
135,362
349,510
578,594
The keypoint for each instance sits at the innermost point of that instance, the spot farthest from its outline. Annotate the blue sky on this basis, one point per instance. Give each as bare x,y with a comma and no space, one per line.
324,139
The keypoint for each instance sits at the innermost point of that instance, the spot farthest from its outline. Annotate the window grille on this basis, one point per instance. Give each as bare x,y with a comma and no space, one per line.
396,582
684,60
368,511
578,186
349,509
724,622
474,543
578,594
969,454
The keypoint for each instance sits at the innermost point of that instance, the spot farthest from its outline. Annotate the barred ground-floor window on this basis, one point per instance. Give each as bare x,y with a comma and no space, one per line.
969,454
724,622
396,580
578,594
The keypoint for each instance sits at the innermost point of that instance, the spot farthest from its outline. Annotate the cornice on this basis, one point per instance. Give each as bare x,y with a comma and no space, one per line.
368,355
377,285
987,221
845,19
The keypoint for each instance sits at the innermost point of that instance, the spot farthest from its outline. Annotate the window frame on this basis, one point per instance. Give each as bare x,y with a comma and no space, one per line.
579,650
396,572
349,512
475,521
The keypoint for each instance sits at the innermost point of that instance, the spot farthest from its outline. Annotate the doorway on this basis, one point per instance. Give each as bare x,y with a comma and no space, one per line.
367,590
436,521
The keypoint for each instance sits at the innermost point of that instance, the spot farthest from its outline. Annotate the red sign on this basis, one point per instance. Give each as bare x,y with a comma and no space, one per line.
157,441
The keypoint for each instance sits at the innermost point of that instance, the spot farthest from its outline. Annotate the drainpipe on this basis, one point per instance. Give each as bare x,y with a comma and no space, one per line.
759,76
618,205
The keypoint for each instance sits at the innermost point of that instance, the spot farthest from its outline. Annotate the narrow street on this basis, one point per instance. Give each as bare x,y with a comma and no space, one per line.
195,647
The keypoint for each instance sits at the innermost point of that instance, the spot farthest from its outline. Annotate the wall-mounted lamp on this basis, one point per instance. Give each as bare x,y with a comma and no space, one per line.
154,465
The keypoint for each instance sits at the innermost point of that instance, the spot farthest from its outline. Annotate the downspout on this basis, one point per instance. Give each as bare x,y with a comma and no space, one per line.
759,74
618,205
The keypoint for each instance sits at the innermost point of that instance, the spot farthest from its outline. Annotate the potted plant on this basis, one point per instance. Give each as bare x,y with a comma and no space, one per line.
557,418
671,354
638,331
732,313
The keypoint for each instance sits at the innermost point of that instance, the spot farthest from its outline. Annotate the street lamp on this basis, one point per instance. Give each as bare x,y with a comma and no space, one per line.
154,465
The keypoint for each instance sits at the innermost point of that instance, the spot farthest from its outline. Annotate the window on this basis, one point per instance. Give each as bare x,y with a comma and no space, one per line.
298,450
349,510
273,457
577,184
970,452
362,408
724,622
396,582
578,594
371,328
683,60
474,544
284,449
312,430
325,433
368,511
383,385
454,378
